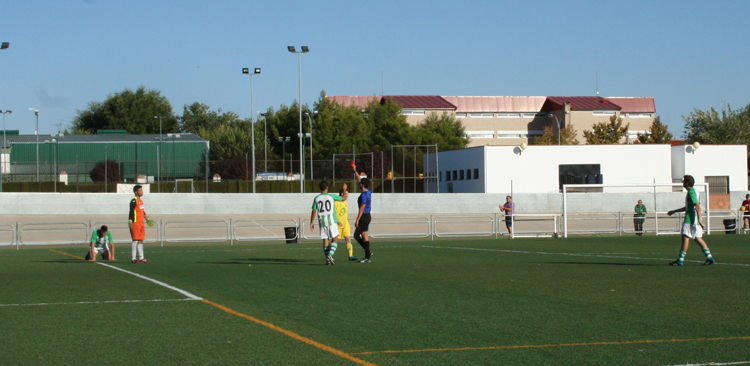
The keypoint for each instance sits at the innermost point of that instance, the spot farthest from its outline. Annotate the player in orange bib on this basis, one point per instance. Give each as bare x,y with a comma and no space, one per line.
137,219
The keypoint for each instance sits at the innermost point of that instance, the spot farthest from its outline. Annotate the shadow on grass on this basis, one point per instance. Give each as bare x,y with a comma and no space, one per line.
273,261
609,264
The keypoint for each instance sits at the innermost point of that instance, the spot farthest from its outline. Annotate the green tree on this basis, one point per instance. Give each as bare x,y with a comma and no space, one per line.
658,133
128,110
567,136
199,115
338,128
444,130
711,127
387,125
607,133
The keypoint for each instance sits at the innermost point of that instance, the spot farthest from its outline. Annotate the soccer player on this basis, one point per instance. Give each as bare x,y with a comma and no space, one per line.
137,220
345,230
324,207
692,228
100,241
362,231
639,217
509,208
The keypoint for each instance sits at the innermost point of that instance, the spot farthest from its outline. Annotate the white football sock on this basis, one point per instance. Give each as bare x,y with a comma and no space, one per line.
140,251
133,248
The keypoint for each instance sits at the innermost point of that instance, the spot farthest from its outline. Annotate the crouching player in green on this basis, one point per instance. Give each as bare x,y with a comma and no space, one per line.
100,242
324,207
692,228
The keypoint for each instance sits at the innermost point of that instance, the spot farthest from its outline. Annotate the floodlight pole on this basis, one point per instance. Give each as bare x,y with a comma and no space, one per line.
558,126
265,142
305,49
36,112
256,71
309,118
2,162
158,158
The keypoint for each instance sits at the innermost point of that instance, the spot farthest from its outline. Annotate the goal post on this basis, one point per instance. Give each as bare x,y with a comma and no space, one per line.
585,203
177,183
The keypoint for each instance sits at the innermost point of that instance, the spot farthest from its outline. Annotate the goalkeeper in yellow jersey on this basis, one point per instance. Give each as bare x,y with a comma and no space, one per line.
345,231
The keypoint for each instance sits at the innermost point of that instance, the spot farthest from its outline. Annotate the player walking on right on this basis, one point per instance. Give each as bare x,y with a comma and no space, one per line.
692,228
362,231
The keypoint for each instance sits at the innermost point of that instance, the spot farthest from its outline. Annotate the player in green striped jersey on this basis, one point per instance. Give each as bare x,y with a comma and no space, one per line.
692,228
324,207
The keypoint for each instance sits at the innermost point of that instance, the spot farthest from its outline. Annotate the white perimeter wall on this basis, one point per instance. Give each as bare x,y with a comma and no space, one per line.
536,169
712,160
300,205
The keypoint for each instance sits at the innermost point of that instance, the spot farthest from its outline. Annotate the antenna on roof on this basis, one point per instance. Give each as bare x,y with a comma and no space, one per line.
597,83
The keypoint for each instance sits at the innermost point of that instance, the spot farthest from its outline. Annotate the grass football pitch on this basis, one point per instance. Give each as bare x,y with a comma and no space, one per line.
575,301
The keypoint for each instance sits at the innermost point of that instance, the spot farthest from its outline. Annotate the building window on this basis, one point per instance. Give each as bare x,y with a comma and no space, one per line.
448,176
461,175
450,187
468,174
455,175
718,185
603,113
480,134
534,115
579,174
461,115
639,115
412,112
482,115
440,176
476,173
509,135
509,115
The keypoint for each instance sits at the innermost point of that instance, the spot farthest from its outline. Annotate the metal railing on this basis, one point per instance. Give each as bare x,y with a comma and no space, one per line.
383,227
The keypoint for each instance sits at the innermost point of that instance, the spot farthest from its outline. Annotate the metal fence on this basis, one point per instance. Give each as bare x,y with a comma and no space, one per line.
385,227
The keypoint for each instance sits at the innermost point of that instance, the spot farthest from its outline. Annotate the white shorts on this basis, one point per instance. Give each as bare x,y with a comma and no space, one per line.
692,231
102,249
329,232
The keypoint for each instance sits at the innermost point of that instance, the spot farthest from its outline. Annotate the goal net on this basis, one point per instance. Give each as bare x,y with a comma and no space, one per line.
610,209
186,183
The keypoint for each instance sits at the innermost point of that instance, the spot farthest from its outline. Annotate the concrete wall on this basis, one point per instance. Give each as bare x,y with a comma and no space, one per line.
712,160
72,204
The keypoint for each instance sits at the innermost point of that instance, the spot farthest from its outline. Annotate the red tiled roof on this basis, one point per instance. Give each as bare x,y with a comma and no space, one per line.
634,104
677,142
356,100
580,103
496,103
420,101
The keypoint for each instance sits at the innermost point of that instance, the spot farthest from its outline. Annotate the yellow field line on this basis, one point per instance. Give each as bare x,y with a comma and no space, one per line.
296,336
553,345
69,255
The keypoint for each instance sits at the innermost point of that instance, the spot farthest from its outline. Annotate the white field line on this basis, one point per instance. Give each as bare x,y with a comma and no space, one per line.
714,364
575,254
96,302
189,295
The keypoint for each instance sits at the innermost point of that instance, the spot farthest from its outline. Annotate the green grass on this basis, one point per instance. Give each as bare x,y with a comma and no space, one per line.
570,294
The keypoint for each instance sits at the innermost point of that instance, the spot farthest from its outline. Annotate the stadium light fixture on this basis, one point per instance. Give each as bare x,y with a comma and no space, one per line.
523,147
5,46
256,71
696,145
305,49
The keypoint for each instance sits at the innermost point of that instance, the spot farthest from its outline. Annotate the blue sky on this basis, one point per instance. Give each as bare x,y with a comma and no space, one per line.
65,54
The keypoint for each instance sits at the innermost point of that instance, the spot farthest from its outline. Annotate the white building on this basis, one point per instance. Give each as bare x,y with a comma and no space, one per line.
544,169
